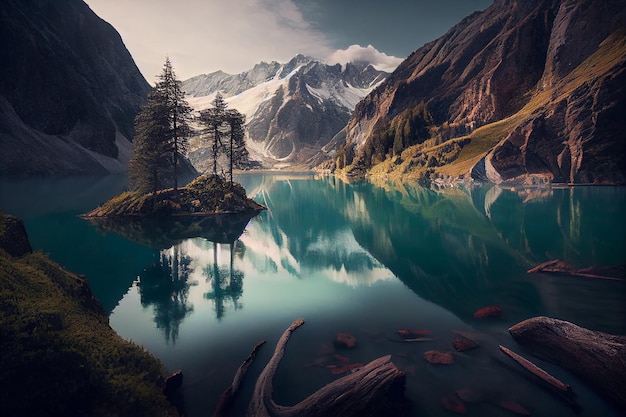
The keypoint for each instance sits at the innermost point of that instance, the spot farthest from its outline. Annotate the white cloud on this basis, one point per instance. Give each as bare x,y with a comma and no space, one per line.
202,36
380,60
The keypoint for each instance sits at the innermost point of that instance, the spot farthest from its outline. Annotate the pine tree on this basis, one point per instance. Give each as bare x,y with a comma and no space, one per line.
214,119
150,165
179,114
237,154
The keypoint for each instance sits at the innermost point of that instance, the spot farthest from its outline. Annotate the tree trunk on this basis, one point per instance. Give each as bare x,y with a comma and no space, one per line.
370,391
597,358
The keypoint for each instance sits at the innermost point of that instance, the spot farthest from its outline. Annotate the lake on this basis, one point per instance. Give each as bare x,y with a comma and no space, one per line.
359,258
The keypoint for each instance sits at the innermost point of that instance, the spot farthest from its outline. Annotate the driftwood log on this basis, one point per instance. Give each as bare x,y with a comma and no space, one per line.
559,267
228,396
597,358
368,391
537,371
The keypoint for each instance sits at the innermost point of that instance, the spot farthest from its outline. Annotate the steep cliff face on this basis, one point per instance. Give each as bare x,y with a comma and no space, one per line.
522,89
69,90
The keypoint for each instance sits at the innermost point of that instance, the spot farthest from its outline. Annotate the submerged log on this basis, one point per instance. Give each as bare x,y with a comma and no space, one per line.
228,396
369,391
597,358
557,266
535,370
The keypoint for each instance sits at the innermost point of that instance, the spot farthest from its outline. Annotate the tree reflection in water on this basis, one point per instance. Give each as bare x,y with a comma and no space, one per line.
164,285
227,285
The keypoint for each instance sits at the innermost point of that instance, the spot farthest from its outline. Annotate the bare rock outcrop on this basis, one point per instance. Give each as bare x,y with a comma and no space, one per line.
547,77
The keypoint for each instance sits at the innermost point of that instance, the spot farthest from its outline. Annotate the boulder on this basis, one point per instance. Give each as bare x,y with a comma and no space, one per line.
13,237
597,358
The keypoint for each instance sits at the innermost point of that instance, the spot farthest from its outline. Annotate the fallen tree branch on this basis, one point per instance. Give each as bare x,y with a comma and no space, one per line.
557,266
229,394
368,391
535,370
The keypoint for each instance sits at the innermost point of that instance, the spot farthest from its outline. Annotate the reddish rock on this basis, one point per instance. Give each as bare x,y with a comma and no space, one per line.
345,340
418,332
514,407
342,358
469,395
461,344
488,312
452,403
438,357
343,369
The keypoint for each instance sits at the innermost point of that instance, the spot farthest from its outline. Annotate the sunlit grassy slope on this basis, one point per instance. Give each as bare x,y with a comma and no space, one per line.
611,53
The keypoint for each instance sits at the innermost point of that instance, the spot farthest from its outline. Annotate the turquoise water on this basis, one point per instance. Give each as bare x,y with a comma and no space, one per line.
358,258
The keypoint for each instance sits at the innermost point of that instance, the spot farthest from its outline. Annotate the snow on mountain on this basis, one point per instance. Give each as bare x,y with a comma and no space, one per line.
292,110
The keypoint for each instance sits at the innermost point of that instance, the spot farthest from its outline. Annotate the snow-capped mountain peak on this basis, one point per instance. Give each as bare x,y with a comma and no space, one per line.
292,109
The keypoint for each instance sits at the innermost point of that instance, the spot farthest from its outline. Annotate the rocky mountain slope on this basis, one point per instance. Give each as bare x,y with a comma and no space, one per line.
69,90
520,92
293,110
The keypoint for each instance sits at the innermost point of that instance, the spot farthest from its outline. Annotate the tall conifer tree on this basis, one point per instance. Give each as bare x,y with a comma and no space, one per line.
214,119
149,167
237,153
179,114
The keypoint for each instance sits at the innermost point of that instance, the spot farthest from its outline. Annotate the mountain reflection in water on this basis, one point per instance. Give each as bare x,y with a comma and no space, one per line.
362,258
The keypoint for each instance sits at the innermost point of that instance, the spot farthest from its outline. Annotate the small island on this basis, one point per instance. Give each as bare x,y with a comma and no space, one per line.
207,195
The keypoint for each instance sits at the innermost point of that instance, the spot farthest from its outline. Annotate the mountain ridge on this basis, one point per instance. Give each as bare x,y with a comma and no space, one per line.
69,91
488,87
293,110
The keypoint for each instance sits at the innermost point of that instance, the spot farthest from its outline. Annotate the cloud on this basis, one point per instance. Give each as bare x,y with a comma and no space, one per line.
380,60
202,36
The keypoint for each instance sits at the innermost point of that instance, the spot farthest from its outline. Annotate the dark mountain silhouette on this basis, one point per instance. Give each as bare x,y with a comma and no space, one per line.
69,90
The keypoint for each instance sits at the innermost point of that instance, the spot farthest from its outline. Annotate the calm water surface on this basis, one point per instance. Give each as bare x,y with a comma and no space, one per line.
358,258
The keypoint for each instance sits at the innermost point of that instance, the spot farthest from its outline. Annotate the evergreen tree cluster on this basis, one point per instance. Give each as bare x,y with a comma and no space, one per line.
224,129
161,135
162,131
410,127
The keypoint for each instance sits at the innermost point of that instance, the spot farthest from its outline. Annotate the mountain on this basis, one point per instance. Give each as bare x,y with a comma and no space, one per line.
293,110
69,90
522,92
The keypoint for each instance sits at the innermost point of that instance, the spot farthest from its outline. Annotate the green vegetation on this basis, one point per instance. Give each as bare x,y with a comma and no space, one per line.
446,150
162,131
205,195
60,357
221,122
406,129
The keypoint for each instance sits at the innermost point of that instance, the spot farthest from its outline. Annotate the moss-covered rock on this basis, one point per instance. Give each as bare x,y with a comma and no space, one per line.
205,195
59,356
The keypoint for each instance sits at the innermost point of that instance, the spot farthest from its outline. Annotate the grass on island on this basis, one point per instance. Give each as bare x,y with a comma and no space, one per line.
208,194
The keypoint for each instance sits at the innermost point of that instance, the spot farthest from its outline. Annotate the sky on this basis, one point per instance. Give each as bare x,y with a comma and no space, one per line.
203,36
